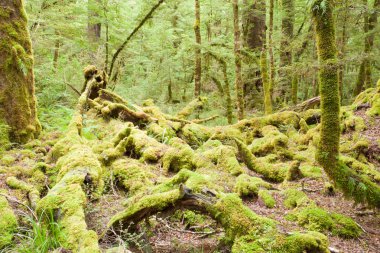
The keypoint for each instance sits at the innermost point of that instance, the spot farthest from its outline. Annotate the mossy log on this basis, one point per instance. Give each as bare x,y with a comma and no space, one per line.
165,163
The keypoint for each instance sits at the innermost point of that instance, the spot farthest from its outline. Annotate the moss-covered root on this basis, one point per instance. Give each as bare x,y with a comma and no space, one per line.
8,222
196,104
79,176
307,214
273,172
33,193
244,228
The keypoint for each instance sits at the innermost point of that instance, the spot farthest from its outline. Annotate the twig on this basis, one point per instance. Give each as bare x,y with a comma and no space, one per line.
73,88
20,203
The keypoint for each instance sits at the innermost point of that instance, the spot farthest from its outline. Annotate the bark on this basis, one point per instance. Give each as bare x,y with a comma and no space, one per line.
270,46
288,19
266,83
342,52
17,99
94,26
198,56
254,37
56,53
328,84
238,78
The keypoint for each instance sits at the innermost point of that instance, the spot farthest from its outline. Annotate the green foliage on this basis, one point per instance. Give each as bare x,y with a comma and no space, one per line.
42,235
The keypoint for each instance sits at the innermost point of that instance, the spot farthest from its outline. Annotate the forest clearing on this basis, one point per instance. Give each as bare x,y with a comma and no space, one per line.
189,126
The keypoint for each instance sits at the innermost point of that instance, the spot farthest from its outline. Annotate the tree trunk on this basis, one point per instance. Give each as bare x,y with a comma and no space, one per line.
56,54
271,56
288,19
17,99
328,85
238,79
254,37
266,82
198,57
94,26
343,50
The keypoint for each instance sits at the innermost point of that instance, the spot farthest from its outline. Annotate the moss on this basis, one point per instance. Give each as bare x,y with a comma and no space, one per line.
249,186
132,175
267,198
237,219
67,202
345,227
295,198
311,171
328,148
8,223
266,83
194,105
196,134
351,122
361,168
272,141
303,126
4,136
317,219
17,94
179,156
311,116
297,242
161,132
8,159
357,186
154,202
304,242
33,193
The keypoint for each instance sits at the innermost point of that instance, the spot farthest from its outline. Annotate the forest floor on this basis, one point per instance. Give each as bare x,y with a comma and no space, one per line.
139,173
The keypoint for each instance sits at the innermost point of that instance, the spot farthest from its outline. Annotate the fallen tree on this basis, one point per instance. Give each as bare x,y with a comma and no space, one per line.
165,163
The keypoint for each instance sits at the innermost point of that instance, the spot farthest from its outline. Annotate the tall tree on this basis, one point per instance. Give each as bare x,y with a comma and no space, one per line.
288,18
17,99
270,47
254,38
364,79
94,26
266,82
342,50
237,48
198,56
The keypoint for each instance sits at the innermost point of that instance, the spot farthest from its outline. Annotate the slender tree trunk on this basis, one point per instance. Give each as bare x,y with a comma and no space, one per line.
266,82
343,49
17,99
94,26
198,57
238,78
271,55
56,54
372,22
288,18
294,89
328,150
227,93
